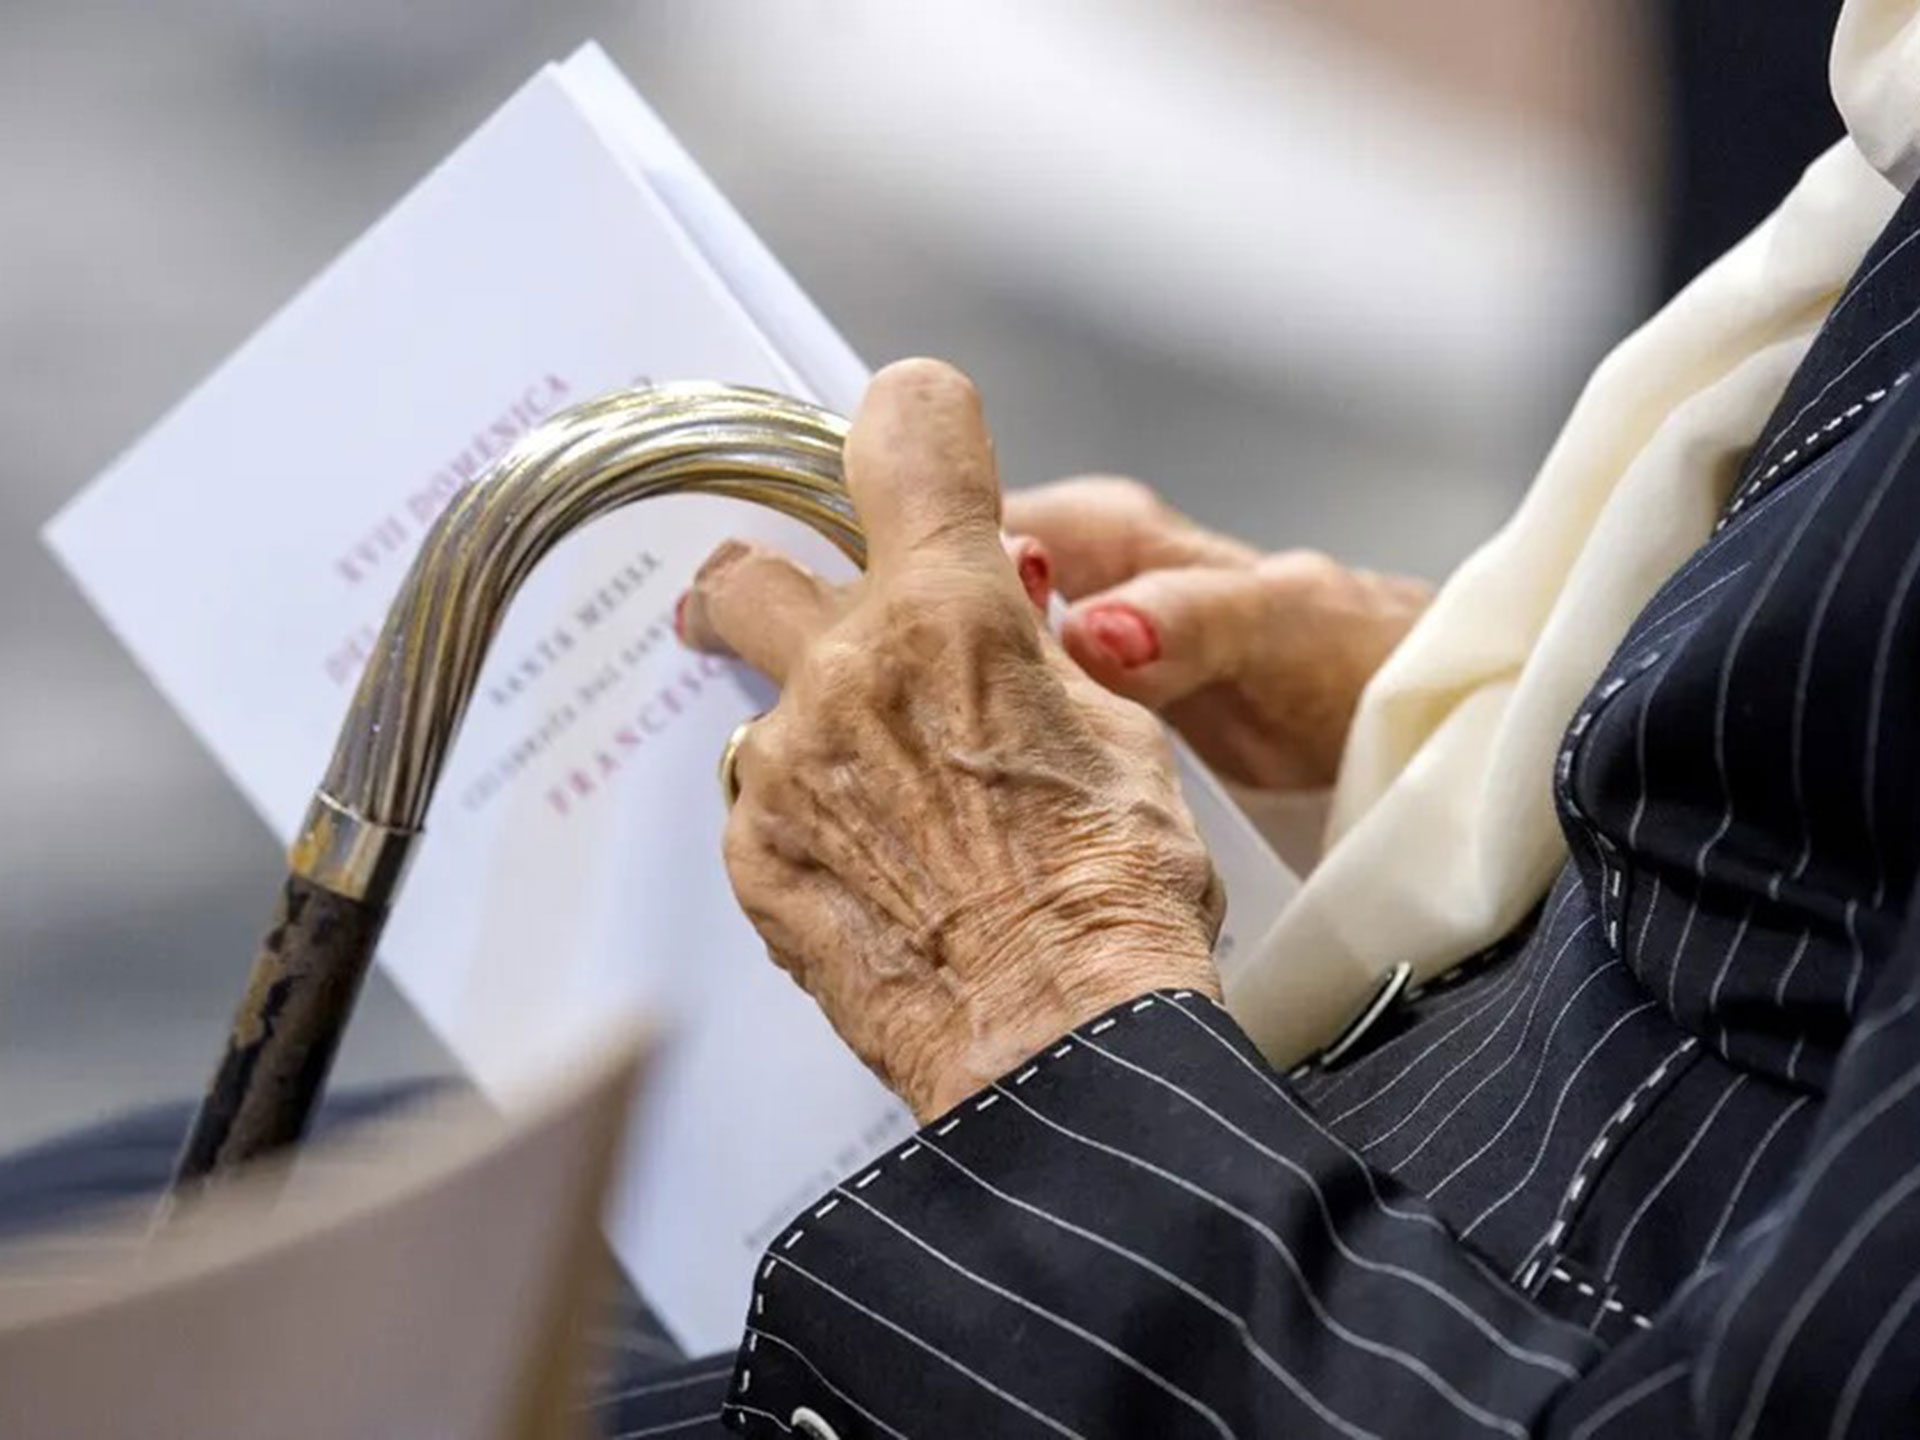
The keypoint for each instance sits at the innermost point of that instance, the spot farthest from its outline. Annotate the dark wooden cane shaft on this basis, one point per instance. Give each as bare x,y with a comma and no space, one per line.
301,992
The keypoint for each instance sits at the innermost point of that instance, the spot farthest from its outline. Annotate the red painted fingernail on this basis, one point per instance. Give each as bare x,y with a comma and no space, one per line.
1124,633
680,616
1036,576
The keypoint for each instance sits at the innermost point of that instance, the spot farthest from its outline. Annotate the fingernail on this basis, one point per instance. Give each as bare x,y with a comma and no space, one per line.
1036,576
680,616
1124,633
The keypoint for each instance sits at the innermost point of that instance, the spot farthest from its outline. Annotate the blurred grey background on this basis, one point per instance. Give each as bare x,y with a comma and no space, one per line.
1328,272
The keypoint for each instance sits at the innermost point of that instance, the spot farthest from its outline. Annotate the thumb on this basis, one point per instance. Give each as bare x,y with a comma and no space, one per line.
1159,637
920,468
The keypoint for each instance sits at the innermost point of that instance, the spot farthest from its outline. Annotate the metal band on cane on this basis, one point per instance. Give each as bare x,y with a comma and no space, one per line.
349,860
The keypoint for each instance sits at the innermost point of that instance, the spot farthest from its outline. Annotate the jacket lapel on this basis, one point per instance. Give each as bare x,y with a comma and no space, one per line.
1861,355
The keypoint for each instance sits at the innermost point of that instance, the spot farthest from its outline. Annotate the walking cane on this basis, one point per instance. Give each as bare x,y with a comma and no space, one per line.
346,865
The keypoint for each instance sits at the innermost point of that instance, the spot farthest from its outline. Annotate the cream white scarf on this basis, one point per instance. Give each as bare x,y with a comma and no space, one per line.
1442,833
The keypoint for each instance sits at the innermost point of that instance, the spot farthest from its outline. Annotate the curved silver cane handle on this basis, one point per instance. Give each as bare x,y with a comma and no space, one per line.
349,859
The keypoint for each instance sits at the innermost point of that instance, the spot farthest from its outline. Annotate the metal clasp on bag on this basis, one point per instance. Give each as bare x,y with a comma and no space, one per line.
1391,988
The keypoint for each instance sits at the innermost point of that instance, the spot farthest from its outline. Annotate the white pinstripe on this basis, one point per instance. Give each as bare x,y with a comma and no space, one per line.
1553,1120
1519,1045
1479,1006
1826,389
1726,966
1390,1353
1803,674
1652,634
1585,1170
1876,704
1034,1307
1810,1175
1367,1178
1786,979
1449,992
1802,685
1788,485
1868,1361
1640,1390
752,1410
1539,1069
1796,1317
1746,1174
1851,924
1646,699
1233,1317
1439,1292
935,1351
1646,923
658,1386
686,1424
1519,972
1725,681
839,1394
1648,1200
1874,1024
1640,801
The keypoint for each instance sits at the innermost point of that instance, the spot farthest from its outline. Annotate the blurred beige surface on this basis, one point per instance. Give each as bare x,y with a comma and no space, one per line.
1229,248
272,1307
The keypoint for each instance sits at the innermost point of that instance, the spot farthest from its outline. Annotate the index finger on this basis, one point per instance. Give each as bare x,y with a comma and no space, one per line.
1102,530
921,469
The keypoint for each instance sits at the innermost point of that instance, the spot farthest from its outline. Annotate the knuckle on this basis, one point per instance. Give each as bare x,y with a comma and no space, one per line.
1308,568
1128,496
737,568
840,666
1135,728
722,562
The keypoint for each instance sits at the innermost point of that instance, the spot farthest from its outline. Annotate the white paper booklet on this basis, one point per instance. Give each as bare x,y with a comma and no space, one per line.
573,866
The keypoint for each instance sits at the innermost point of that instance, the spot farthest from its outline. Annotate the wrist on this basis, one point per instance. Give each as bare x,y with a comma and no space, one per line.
1007,1013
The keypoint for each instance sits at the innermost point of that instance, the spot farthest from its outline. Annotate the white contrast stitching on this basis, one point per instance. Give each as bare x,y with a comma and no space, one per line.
1608,1304
1584,1174
1866,402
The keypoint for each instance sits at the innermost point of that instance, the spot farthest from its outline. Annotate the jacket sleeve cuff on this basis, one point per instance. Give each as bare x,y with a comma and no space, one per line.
1140,1228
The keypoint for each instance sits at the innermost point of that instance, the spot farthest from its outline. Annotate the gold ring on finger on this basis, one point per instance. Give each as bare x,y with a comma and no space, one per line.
730,761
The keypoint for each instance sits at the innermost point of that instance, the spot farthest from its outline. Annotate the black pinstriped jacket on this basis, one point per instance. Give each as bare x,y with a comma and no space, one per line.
1651,1168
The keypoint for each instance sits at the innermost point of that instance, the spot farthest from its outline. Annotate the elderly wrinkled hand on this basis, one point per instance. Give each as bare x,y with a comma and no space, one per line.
952,838
1258,659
